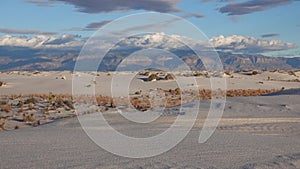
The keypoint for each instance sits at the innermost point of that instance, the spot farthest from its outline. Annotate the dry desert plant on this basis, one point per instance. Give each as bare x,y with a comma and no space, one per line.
292,73
254,72
227,73
6,108
169,77
2,83
31,100
2,126
153,77
36,123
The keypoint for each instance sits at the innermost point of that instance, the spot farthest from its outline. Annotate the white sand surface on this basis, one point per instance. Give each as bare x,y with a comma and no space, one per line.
61,82
254,133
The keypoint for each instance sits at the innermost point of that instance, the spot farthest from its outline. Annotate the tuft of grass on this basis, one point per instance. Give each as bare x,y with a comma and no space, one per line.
36,123
69,104
153,77
6,108
2,126
169,77
31,100
292,73
25,117
2,83
254,72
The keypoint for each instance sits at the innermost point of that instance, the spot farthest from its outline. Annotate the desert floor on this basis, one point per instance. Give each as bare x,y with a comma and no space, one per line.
258,132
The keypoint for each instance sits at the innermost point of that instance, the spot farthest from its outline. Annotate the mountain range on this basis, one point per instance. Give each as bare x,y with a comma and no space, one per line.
46,59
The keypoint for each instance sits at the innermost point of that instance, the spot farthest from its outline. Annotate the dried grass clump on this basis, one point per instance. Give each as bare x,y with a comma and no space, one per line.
205,94
197,73
145,73
292,73
2,126
249,92
2,84
169,77
21,107
153,77
254,72
69,104
140,103
6,108
227,73
36,123
31,100
104,101
3,102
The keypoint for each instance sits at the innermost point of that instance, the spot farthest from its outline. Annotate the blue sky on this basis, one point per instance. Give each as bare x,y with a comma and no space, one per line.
265,20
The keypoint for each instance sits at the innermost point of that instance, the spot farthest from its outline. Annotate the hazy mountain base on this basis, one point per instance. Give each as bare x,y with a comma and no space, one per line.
30,59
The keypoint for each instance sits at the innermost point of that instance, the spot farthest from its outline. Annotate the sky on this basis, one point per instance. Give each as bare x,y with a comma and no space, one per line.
269,27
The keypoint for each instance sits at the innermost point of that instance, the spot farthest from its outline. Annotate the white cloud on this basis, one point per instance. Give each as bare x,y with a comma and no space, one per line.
42,41
236,43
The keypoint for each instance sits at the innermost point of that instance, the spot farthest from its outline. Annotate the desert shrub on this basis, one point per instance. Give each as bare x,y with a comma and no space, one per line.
292,73
227,73
31,100
177,91
153,77
169,77
6,108
2,84
21,108
69,104
28,118
2,126
198,74
254,72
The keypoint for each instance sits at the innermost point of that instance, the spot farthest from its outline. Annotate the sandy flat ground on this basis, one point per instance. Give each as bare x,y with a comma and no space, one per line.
61,82
254,132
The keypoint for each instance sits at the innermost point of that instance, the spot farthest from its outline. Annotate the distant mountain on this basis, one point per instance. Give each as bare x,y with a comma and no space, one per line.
25,58
246,61
66,61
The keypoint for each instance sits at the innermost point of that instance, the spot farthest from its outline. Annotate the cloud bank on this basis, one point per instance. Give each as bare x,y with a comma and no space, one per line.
26,32
42,42
236,43
242,8
100,6
269,35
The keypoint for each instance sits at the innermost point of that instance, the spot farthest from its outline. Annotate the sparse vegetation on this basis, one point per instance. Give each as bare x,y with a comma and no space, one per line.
169,77
2,83
254,72
292,73
6,108
153,77
29,109
2,126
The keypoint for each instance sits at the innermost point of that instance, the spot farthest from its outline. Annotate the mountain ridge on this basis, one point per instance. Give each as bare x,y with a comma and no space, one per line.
66,61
